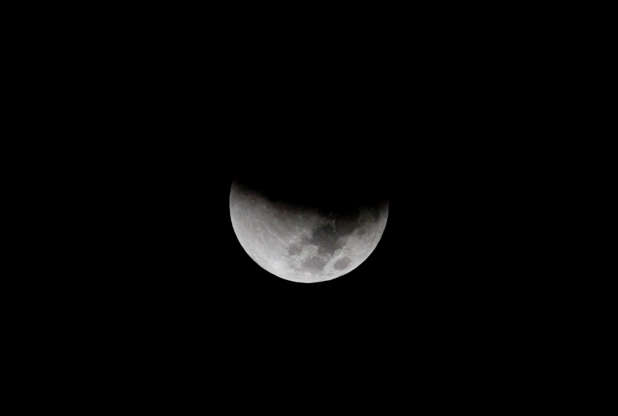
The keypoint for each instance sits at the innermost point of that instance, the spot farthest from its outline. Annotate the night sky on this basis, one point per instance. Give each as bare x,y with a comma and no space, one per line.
444,283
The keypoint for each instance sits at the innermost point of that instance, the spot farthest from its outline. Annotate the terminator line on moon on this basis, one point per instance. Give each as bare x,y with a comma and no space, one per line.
300,244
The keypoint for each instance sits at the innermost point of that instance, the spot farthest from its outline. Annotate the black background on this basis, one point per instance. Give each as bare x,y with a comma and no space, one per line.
442,275
429,117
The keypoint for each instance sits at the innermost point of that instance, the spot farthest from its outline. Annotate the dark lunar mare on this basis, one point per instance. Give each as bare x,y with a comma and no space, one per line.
331,237
342,263
315,264
326,238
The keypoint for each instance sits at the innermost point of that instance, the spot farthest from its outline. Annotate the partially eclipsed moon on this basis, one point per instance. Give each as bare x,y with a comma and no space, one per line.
302,244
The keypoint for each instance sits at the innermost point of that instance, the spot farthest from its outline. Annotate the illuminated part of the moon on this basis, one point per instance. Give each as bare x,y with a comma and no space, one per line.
300,244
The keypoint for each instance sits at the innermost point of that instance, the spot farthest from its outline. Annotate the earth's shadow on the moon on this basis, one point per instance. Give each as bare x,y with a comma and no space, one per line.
330,195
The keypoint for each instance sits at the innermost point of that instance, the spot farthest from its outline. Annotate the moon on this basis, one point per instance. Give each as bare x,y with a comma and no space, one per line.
305,244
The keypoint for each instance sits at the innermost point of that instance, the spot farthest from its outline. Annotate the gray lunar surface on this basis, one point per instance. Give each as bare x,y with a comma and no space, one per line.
301,244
